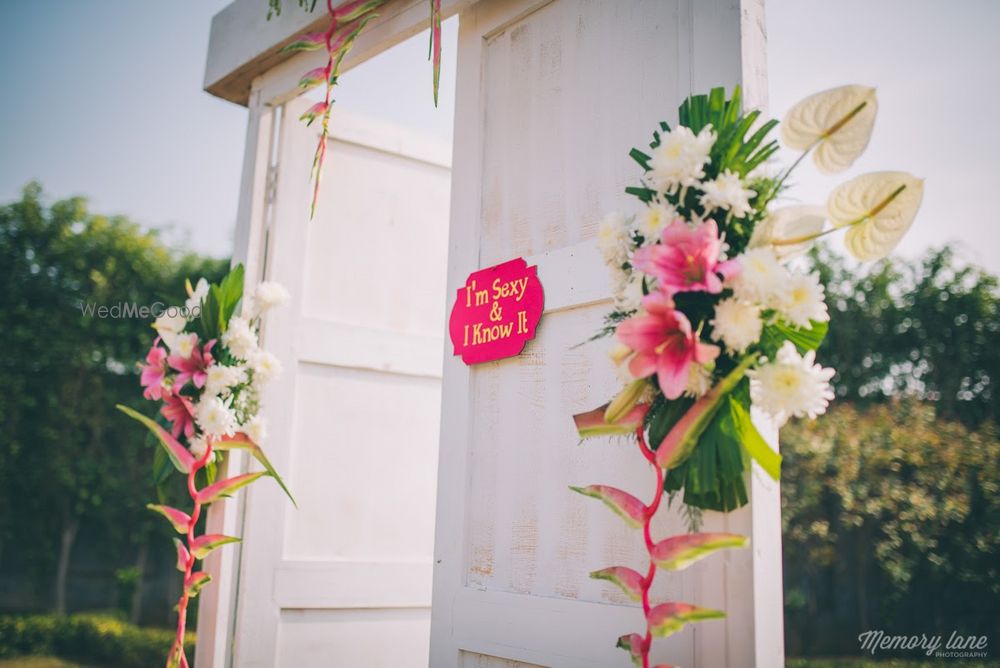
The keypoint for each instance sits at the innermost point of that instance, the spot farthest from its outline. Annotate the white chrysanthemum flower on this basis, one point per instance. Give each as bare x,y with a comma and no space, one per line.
653,220
265,366
737,324
727,192
256,429
192,307
680,158
762,279
171,321
268,295
792,385
803,301
612,240
239,338
198,445
214,417
221,379
699,381
629,297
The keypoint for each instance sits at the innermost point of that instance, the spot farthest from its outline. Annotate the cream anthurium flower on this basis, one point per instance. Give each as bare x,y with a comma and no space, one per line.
838,122
878,208
789,223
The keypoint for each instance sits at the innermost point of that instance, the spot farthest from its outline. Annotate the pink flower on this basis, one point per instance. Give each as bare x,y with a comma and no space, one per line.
687,260
154,371
664,344
180,411
192,368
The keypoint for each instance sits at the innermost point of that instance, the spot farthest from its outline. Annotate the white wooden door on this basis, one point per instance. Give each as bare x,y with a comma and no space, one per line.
551,96
345,579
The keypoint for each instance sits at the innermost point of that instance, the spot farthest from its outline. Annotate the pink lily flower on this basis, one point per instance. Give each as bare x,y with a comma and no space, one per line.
192,368
687,260
154,371
664,344
180,411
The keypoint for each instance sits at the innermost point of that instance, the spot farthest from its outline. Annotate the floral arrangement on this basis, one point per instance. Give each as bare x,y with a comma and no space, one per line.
206,369
712,317
347,20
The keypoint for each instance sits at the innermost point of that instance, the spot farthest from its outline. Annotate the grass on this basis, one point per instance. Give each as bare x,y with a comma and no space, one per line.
38,662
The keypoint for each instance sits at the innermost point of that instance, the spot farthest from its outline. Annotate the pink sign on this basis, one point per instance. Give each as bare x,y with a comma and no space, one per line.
496,312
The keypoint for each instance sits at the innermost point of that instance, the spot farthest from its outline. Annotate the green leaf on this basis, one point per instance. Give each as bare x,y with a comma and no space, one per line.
242,442
179,455
663,415
753,442
644,194
776,333
641,158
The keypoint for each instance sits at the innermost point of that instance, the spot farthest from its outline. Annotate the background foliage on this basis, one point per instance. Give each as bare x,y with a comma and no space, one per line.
74,474
890,504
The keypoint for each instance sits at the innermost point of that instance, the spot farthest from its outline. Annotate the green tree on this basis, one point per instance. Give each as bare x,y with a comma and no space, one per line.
67,456
926,328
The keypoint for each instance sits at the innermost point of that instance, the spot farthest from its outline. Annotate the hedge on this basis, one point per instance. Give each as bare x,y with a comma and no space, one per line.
97,640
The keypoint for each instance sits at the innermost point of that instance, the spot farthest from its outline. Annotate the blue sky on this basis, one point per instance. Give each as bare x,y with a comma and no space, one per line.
104,99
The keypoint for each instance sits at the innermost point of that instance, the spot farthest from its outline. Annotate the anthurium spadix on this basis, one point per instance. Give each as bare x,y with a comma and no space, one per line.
203,545
594,423
669,618
217,490
678,552
177,518
626,506
878,209
837,123
628,580
179,455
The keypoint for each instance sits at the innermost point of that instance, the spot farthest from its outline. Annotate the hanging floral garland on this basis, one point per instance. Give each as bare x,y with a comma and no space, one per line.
710,319
206,368
347,21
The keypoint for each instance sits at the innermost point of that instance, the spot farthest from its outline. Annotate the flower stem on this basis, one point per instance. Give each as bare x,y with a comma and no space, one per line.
182,604
647,582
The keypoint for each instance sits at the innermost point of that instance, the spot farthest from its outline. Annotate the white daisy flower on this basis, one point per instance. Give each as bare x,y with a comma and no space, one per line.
737,324
265,366
803,301
214,417
256,429
699,381
762,279
653,220
612,240
221,379
268,295
727,192
629,296
239,338
791,385
680,158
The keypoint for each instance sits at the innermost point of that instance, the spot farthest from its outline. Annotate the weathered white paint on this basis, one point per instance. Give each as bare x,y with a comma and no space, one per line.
551,95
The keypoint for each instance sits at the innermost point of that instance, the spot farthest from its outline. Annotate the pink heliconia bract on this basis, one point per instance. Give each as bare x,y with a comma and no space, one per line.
314,112
687,259
179,410
193,368
664,344
153,372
